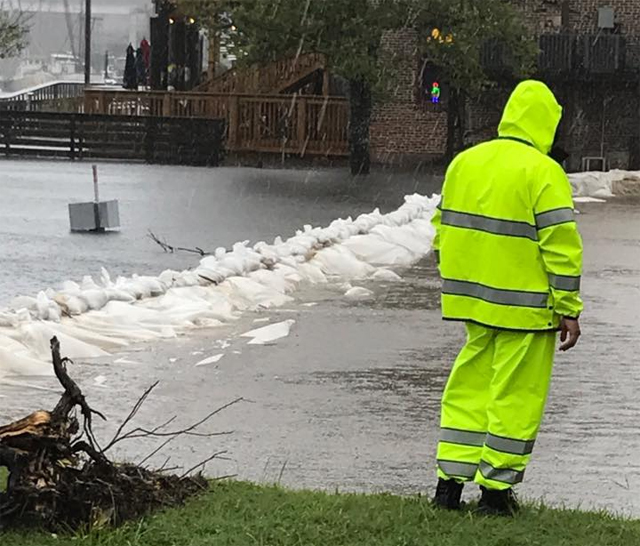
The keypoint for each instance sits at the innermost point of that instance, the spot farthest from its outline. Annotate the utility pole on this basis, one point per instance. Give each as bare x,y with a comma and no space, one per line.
87,43
72,38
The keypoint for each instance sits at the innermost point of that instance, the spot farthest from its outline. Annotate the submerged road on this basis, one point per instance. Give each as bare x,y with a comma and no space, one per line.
189,207
349,400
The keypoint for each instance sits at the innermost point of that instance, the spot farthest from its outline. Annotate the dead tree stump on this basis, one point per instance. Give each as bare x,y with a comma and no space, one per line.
60,477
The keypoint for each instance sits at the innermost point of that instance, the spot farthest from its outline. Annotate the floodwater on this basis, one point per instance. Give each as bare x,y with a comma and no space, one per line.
350,399
189,207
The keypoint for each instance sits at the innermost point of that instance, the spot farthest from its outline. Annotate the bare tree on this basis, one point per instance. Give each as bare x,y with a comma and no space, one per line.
14,31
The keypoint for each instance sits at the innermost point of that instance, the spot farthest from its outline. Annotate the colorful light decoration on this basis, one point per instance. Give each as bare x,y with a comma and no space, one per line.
435,92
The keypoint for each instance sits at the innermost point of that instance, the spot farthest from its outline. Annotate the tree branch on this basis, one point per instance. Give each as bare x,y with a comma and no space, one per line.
173,249
207,460
132,414
140,432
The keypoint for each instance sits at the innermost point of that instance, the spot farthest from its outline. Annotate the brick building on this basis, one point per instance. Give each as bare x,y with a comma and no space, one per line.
590,56
403,127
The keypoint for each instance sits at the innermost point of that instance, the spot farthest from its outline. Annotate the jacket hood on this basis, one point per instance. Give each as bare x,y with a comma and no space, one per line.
532,114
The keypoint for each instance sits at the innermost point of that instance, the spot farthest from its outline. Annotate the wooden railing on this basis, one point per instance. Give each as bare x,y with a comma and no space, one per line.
277,77
155,103
176,141
60,96
299,124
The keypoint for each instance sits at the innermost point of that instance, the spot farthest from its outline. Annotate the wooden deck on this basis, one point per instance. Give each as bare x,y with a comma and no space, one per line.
58,96
175,141
294,124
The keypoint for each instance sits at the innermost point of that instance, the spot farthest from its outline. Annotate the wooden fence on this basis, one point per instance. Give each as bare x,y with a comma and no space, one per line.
152,139
296,124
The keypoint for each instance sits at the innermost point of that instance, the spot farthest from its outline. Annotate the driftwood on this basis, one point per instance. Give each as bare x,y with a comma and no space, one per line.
60,477
173,249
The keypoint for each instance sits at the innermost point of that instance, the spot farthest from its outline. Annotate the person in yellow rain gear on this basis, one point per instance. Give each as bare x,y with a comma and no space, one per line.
510,257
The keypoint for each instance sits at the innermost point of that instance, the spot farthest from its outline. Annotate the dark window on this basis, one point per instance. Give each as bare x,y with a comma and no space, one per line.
433,91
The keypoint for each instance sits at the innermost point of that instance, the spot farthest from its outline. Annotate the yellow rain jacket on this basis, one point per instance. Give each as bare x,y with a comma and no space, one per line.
509,249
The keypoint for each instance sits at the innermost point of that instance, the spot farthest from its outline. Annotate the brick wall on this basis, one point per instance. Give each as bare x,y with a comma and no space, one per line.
600,118
402,129
540,16
546,15
483,115
584,15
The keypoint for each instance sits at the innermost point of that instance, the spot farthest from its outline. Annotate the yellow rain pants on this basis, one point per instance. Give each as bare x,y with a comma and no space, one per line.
493,405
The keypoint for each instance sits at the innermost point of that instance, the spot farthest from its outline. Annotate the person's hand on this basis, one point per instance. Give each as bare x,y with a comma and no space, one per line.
569,333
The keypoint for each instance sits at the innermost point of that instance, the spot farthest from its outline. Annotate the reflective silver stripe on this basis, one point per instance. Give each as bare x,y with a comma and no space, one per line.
496,226
504,475
565,282
507,445
494,295
462,470
554,217
464,437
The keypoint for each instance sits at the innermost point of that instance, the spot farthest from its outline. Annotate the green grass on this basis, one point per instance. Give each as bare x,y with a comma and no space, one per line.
242,514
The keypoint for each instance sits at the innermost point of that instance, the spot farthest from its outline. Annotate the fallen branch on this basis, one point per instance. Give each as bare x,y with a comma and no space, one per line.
157,450
132,413
173,249
140,432
200,465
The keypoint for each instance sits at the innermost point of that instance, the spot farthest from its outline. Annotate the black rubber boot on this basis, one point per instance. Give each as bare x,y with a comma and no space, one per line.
498,503
448,493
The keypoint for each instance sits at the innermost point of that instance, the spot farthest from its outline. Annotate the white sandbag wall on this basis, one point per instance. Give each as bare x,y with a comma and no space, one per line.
605,184
93,318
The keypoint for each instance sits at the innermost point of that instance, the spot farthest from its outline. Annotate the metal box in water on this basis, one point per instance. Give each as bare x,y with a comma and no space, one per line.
94,216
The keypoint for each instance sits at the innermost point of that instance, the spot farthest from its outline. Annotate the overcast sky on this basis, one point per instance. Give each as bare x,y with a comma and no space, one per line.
100,6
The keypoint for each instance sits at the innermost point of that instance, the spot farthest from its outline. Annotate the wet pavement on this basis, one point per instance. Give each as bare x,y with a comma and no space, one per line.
349,400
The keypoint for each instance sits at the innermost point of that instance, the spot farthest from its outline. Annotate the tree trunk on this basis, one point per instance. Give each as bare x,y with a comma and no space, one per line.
359,126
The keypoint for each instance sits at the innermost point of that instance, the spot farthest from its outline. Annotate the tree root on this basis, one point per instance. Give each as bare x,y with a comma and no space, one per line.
60,477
